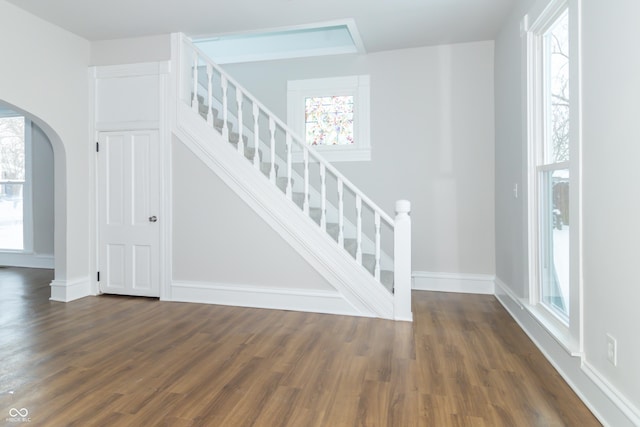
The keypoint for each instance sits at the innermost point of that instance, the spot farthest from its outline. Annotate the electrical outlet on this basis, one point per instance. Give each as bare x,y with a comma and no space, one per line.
612,350
515,190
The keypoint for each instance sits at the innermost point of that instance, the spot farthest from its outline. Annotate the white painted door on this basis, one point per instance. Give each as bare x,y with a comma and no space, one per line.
129,203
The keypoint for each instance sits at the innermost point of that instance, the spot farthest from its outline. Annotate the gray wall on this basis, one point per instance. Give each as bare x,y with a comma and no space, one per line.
43,192
219,239
432,141
611,201
510,151
131,51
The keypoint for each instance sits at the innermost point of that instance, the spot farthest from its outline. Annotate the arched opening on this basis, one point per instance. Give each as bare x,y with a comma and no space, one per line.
43,212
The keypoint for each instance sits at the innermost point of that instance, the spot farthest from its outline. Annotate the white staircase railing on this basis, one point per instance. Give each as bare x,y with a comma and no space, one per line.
274,150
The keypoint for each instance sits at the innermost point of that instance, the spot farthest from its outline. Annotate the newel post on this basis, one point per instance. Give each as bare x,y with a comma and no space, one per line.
402,262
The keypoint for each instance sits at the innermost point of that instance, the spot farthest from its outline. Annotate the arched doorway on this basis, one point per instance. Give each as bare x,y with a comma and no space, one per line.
44,209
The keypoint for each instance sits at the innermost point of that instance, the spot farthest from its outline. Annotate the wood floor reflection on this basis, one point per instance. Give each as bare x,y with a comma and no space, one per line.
121,361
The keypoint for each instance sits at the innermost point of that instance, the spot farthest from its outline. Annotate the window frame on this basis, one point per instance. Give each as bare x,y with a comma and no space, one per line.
27,190
567,331
356,86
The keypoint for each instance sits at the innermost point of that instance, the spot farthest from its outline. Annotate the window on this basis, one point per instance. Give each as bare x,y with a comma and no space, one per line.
554,185
328,120
13,156
332,115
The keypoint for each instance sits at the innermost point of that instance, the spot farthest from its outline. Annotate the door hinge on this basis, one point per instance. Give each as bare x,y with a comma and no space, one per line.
97,147
98,276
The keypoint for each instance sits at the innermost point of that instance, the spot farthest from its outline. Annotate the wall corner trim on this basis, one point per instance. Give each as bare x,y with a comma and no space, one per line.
70,290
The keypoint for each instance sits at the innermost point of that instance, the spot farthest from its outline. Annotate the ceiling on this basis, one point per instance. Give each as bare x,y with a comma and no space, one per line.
383,24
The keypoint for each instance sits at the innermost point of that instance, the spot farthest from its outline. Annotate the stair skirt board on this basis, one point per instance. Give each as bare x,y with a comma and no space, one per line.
313,301
483,284
367,296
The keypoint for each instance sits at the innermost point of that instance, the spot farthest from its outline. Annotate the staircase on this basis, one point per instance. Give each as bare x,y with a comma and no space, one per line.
363,252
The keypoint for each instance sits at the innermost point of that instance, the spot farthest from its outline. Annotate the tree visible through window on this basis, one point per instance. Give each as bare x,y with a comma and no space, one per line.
12,177
557,53
553,171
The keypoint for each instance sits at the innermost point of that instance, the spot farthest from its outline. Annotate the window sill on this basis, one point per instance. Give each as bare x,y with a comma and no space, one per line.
337,155
559,332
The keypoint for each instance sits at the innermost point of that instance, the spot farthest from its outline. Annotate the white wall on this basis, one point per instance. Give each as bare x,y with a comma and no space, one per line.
43,192
611,203
44,72
131,50
219,239
611,152
432,141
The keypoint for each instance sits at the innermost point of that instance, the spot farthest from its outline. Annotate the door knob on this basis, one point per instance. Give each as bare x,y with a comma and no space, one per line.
153,218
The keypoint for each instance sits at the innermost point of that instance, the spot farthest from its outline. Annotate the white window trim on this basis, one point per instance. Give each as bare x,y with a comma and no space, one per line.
27,191
356,86
542,15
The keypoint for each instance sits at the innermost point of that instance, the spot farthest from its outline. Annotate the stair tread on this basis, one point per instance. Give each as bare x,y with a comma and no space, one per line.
333,229
298,199
248,151
281,182
386,278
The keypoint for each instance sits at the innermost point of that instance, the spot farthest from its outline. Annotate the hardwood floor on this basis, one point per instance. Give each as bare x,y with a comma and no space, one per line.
120,361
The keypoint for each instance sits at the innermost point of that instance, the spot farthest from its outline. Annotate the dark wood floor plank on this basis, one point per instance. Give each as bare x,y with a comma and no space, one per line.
123,361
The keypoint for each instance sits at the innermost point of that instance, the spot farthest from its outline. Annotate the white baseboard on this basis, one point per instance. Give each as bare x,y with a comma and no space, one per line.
28,260
314,301
605,401
69,290
627,407
453,282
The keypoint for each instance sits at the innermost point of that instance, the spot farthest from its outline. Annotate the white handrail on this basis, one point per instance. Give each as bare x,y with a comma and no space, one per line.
295,138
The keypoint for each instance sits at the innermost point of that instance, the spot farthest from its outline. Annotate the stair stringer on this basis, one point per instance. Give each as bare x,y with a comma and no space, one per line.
368,297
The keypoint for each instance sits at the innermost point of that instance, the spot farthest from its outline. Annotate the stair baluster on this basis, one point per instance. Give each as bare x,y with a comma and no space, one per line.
256,136
272,131
340,213
194,99
225,112
376,272
359,229
305,203
209,95
289,166
239,98
323,197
